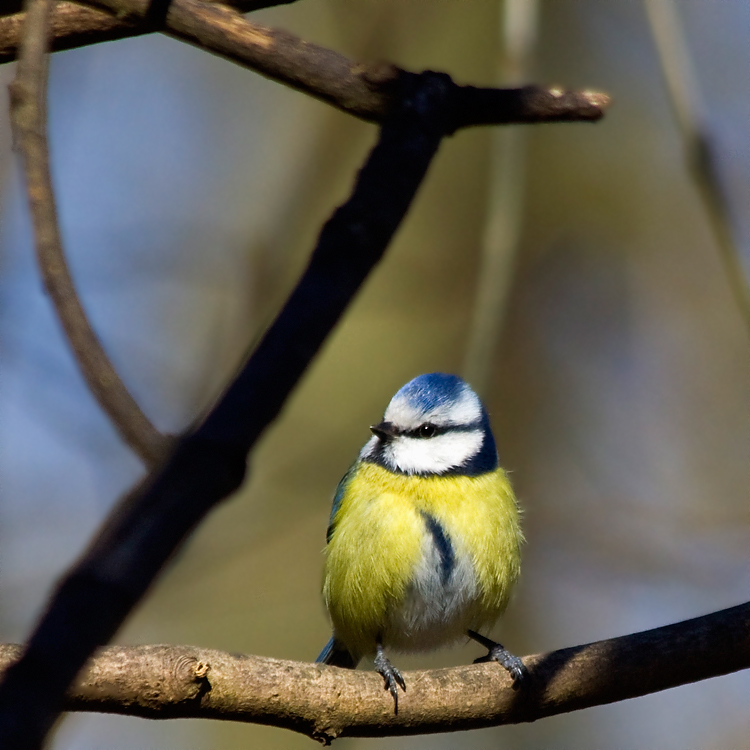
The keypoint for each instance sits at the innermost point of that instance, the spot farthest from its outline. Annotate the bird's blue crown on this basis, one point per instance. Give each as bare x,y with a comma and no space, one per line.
432,392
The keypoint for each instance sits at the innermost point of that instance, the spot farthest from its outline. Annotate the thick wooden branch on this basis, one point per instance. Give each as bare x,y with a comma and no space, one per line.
208,464
363,90
168,682
28,94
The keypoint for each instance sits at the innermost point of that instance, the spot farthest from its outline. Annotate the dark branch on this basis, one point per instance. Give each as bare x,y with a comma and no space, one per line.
208,464
359,89
528,104
28,94
168,682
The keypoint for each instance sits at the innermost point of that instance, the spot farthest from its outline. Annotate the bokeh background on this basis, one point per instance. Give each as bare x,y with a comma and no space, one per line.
191,192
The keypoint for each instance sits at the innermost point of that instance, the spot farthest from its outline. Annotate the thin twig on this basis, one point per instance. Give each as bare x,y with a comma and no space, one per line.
75,25
362,90
700,151
169,682
28,112
505,205
208,465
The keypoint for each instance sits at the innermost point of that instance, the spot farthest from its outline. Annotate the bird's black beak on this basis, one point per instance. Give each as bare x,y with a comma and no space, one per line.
385,431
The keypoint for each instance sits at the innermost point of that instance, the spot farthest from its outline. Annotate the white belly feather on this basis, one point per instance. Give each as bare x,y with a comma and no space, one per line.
440,603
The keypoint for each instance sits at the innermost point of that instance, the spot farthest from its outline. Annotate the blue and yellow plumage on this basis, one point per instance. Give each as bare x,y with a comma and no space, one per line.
424,538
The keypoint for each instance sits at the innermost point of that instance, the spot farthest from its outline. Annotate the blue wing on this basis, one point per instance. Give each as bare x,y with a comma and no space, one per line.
337,498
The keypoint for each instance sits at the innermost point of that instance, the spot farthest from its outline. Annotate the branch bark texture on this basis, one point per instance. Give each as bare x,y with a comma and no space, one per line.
208,464
168,682
363,90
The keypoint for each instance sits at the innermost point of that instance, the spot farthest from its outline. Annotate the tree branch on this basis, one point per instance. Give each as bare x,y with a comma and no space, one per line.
28,114
360,89
73,25
208,464
169,682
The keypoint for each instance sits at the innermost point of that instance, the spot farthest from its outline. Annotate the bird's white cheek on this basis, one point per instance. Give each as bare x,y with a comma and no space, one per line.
433,455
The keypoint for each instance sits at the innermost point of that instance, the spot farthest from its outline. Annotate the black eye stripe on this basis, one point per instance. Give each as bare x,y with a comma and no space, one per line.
436,430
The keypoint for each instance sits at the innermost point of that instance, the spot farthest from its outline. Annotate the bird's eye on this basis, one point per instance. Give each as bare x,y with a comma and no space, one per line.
426,430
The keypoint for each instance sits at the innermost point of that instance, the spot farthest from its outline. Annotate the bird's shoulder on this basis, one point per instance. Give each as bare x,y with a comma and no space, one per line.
338,497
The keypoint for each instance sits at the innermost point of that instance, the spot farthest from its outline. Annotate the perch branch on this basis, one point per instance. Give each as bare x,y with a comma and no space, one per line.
28,113
168,682
359,89
208,464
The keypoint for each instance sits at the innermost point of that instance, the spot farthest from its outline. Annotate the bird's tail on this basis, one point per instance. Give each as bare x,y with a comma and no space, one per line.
337,655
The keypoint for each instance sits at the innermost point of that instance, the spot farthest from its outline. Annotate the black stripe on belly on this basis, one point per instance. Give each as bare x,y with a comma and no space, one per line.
443,546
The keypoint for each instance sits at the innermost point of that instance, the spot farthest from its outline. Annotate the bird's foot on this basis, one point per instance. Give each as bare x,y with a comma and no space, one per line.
496,652
391,676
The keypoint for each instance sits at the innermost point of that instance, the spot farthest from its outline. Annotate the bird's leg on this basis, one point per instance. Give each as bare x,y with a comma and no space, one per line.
390,674
501,655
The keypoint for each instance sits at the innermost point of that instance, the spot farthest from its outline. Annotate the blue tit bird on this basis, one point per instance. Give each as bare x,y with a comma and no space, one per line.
424,538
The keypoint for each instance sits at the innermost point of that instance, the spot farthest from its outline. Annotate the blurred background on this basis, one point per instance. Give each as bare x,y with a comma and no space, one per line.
616,372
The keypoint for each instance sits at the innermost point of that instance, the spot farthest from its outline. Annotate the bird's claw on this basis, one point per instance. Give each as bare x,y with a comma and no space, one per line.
496,652
512,664
391,676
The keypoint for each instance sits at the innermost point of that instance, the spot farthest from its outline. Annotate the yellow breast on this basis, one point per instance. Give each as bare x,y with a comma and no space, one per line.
378,545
